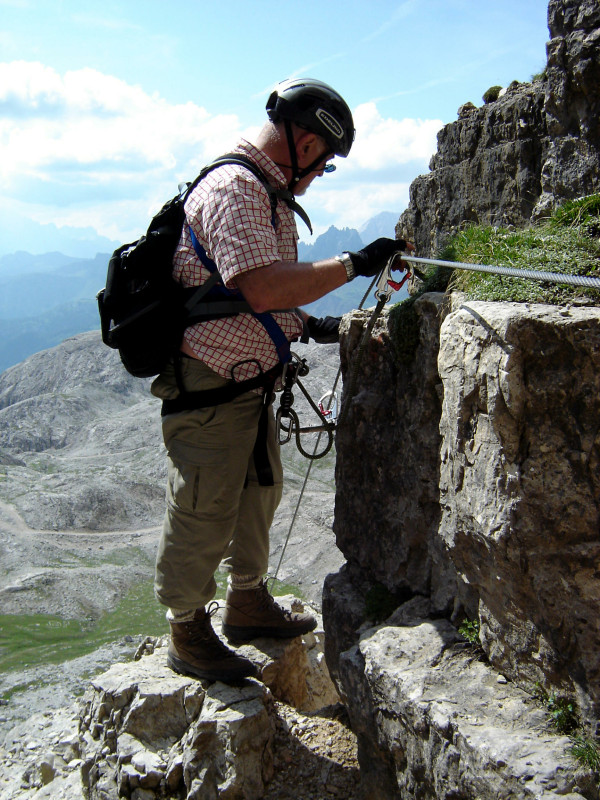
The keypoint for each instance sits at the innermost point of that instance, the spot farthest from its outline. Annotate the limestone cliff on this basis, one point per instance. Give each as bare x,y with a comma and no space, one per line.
480,500
477,495
521,155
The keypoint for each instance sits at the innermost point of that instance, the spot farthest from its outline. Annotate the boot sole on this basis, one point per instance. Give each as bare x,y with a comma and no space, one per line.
245,633
183,668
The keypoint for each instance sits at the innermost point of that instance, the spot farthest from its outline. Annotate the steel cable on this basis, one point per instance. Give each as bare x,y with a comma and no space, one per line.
512,272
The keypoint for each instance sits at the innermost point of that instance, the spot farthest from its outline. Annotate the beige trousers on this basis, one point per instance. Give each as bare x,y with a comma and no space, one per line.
216,510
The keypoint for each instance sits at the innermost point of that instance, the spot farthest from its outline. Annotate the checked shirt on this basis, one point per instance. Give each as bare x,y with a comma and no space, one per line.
230,214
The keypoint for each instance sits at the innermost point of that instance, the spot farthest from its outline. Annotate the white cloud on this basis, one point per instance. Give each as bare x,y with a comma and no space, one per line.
88,148
386,156
86,118
352,206
382,143
85,148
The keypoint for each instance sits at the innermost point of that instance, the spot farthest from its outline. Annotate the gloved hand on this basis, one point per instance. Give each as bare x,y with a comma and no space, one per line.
373,257
324,330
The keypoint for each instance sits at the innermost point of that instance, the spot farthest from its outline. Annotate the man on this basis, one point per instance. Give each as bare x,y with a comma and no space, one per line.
225,475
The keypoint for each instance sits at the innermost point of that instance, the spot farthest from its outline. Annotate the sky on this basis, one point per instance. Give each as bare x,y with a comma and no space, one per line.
107,106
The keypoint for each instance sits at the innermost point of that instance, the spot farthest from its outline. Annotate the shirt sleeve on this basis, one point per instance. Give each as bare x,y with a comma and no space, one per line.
236,223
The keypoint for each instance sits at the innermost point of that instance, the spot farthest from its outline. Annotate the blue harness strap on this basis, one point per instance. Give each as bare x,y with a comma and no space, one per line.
219,291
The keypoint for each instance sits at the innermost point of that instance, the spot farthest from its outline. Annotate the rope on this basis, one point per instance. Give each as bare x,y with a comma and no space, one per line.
513,272
312,458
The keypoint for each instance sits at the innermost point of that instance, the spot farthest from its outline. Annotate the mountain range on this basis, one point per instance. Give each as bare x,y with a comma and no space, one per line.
46,298
81,452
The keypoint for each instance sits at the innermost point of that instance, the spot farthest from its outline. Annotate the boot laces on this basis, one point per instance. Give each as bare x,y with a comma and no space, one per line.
267,602
201,631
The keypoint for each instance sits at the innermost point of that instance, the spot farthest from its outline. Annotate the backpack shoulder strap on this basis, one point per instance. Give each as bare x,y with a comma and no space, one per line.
236,306
274,194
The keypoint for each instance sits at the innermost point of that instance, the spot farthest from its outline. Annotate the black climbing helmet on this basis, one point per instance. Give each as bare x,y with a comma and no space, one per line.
316,106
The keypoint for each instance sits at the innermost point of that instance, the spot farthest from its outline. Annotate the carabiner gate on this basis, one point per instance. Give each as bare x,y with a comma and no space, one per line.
329,411
385,285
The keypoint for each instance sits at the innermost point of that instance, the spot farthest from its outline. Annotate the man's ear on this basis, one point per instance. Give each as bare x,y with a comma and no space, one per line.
308,147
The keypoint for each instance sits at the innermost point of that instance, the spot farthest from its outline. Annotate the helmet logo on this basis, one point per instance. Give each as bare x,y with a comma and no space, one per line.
330,123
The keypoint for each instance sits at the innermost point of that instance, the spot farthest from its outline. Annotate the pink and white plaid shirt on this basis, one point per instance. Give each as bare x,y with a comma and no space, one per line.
230,214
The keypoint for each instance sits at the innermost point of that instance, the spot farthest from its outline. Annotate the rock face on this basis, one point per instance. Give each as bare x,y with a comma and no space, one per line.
572,102
150,729
520,487
386,530
478,495
514,545
446,725
487,170
85,439
526,152
146,732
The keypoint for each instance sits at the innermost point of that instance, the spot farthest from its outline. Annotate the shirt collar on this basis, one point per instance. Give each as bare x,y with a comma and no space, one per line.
262,160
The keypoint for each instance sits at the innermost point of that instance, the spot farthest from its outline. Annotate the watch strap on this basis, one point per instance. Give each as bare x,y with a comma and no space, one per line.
344,258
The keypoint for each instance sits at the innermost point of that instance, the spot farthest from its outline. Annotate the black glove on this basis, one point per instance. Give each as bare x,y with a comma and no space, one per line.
324,330
373,257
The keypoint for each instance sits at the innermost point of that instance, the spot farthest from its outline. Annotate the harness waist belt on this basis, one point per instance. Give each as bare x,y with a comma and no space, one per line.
188,401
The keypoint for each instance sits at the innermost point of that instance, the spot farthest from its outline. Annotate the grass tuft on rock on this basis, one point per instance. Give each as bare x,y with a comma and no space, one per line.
586,752
492,94
568,243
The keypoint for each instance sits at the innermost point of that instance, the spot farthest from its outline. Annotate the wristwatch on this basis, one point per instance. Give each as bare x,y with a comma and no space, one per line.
344,258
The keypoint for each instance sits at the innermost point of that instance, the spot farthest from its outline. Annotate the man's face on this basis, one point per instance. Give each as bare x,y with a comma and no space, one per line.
303,184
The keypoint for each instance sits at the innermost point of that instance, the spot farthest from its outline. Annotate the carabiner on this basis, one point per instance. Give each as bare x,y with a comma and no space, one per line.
279,426
385,285
329,411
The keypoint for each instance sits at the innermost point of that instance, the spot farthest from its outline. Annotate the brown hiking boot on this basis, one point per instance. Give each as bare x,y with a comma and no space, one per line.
250,613
195,649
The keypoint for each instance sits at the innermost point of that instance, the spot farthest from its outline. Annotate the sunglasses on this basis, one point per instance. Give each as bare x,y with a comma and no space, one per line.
329,167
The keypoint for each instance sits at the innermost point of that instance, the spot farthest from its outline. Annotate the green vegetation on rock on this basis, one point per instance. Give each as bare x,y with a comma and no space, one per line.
586,752
469,628
562,709
491,94
566,243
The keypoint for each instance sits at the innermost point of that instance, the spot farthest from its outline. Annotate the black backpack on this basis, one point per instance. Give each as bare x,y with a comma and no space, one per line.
143,310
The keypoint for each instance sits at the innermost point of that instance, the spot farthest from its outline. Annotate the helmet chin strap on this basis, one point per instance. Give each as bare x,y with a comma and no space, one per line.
297,173
293,155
